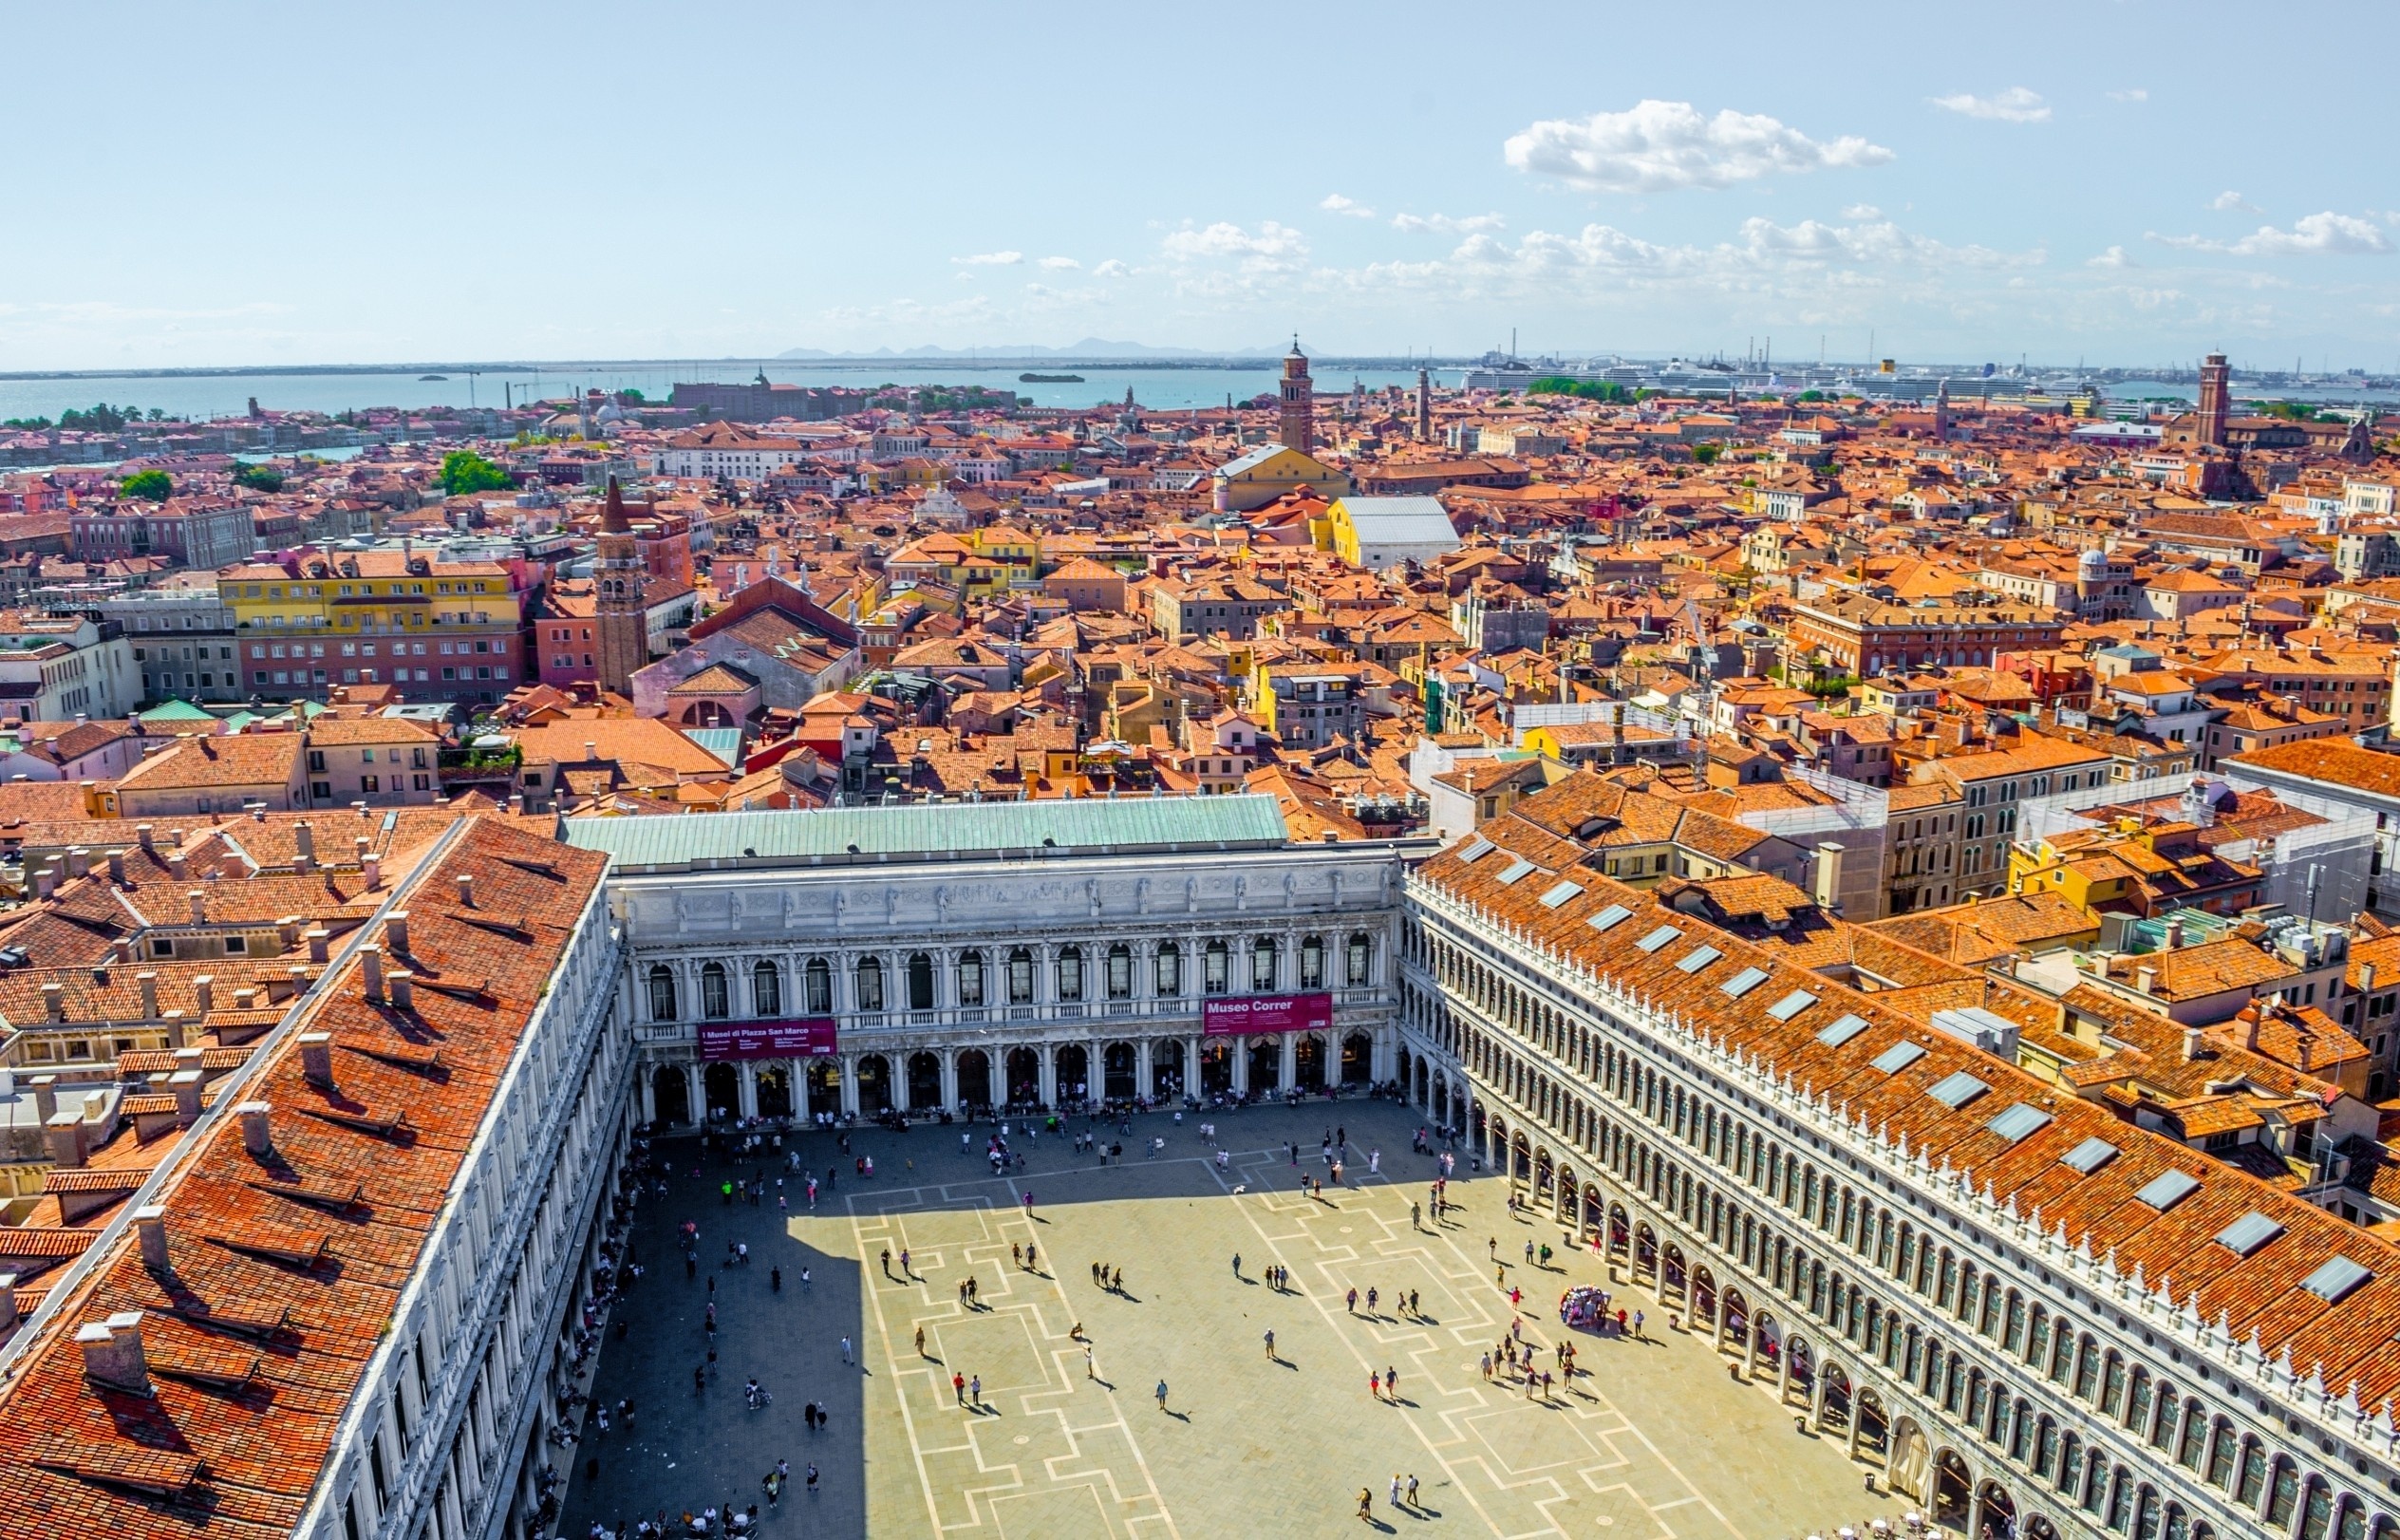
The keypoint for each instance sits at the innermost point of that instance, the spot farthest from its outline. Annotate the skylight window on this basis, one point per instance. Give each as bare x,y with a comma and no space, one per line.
2169,1189
1744,982
1518,871
1475,852
1899,1057
1841,1031
1698,958
1792,1004
1658,938
2247,1233
1958,1090
1615,914
1559,895
2017,1121
2089,1155
2335,1279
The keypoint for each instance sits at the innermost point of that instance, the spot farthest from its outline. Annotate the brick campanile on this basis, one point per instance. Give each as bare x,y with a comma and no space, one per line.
1299,427
617,580
2215,396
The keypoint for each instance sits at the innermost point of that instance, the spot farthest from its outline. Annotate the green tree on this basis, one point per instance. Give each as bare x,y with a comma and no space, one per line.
1705,453
258,478
634,396
152,486
464,471
99,418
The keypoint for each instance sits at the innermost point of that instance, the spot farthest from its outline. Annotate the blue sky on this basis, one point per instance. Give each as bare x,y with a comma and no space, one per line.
2122,182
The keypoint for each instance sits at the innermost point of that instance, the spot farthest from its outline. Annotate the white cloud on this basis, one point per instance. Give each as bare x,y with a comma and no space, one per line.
1061,264
2113,257
1111,268
1336,203
1861,210
991,259
2233,202
2131,93
1661,146
2014,105
1442,224
1274,248
2315,234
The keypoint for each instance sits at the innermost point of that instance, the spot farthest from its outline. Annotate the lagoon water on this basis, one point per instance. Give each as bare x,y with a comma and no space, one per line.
199,396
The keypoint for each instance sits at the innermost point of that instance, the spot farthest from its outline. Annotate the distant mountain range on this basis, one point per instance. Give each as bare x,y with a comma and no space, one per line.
1087,348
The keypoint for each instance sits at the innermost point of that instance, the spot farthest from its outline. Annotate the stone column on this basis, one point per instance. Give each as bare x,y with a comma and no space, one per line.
1289,1070
1749,1349
1047,1054
1192,1067
1975,1511
695,1095
1142,1085
1849,1445
746,1104
849,1083
949,1079
649,1093
1239,1049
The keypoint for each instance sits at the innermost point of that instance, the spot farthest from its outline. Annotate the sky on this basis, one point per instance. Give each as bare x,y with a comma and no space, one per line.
2119,181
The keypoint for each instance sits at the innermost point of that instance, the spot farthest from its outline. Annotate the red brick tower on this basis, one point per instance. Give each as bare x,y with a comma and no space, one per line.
1299,428
617,578
2216,395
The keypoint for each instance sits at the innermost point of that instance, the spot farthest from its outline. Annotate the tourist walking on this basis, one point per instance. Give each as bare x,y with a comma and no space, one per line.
1162,1395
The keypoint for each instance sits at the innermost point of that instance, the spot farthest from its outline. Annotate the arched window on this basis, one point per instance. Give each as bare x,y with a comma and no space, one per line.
662,992
766,990
818,980
1361,955
1262,964
2316,1511
1216,968
1021,976
1312,962
1120,973
2254,1473
920,982
1169,970
2284,1491
1070,973
970,978
870,984
713,1002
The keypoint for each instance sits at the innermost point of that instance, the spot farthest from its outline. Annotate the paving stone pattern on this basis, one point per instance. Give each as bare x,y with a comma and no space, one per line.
1655,1439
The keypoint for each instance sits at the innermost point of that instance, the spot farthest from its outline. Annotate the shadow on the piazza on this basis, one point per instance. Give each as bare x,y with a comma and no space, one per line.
693,1448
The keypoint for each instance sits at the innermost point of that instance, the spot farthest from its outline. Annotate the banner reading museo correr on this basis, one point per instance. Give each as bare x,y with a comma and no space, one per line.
1267,1013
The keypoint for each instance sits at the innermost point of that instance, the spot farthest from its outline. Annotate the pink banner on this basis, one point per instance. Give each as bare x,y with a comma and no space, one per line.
1267,1013
802,1039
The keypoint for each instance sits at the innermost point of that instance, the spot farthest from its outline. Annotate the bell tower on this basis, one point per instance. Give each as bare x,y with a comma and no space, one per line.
2216,391
1297,429
617,577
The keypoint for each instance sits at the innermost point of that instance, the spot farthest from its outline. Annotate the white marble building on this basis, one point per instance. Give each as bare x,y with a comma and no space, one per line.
993,954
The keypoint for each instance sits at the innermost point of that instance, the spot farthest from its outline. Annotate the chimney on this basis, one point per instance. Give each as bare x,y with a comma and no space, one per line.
590,752
2146,979
516,804
2366,978
143,833
112,1353
199,906
317,938
67,1139
8,1299
256,1136
371,964
466,890
175,862
150,1220
204,995
117,867
176,1026
45,882
149,983
2174,935
1829,876
79,861
2250,1017
304,858
2191,1044
373,867
358,850
403,989
396,932
54,1002
45,1096
316,1057
185,1083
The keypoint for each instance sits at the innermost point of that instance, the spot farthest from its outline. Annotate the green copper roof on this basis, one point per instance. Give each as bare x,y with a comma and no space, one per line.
176,711
939,831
